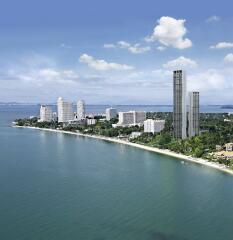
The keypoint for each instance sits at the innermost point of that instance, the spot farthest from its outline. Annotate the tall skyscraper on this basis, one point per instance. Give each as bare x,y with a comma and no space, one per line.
80,109
64,111
179,104
194,114
110,113
46,114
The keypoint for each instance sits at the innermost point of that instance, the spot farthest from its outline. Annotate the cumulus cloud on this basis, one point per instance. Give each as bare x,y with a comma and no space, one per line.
208,80
171,33
102,65
229,58
213,18
133,48
222,45
180,62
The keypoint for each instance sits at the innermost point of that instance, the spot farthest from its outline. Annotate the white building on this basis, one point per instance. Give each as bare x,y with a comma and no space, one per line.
46,114
91,121
135,135
110,113
131,118
80,109
64,111
153,126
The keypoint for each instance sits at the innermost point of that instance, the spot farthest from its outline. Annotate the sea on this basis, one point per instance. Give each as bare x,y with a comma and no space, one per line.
56,186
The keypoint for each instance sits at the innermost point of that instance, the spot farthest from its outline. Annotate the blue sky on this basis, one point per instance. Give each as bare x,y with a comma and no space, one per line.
115,52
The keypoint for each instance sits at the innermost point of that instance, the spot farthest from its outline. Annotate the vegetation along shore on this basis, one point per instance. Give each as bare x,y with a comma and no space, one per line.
208,148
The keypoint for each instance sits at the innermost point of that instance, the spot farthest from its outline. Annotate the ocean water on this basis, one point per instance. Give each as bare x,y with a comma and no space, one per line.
57,186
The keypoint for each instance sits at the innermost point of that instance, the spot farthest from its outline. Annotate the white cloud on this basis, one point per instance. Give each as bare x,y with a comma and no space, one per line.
161,48
180,62
123,44
222,45
133,48
109,45
229,58
102,65
213,18
171,33
208,80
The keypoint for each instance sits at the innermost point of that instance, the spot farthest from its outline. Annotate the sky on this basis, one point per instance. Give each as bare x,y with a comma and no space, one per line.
115,52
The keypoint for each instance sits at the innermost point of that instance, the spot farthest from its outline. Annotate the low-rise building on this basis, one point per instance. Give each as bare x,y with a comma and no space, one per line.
153,126
91,121
229,147
135,135
46,114
218,147
110,113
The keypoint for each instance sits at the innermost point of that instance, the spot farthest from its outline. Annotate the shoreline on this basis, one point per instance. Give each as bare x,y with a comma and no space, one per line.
167,152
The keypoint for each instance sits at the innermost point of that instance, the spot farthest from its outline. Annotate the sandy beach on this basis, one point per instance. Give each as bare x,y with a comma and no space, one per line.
152,149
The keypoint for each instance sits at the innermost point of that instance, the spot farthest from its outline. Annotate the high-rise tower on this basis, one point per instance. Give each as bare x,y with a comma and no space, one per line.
194,113
80,109
179,104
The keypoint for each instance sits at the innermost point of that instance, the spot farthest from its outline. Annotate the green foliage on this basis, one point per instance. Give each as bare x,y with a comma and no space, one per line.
215,131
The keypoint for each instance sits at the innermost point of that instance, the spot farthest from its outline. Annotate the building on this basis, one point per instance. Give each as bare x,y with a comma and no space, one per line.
218,148
80,109
179,104
194,114
135,135
64,111
153,126
229,147
110,113
131,118
46,114
91,121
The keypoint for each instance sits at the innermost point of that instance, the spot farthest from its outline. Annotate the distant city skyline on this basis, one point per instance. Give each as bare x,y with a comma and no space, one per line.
115,52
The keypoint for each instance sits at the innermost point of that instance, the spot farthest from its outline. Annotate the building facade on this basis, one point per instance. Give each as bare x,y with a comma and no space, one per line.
110,113
131,118
46,114
80,109
91,121
194,114
179,104
153,126
64,111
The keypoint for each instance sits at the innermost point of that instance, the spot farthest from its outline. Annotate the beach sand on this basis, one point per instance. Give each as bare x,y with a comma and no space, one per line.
152,149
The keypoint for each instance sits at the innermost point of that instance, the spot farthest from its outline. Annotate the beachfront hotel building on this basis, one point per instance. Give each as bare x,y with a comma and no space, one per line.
153,126
179,104
131,118
110,113
80,110
194,114
64,111
46,114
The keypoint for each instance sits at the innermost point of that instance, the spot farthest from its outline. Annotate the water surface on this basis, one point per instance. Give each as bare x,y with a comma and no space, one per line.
58,186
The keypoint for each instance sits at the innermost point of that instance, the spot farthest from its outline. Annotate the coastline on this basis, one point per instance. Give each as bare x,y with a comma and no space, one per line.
151,149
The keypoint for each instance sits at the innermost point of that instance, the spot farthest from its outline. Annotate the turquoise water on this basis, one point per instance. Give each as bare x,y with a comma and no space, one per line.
57,186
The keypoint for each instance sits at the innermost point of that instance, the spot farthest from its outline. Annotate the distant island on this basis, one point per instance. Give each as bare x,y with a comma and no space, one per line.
227,106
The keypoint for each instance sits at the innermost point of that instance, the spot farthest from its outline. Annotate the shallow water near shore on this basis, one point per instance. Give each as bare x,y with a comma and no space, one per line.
58,186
